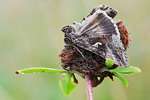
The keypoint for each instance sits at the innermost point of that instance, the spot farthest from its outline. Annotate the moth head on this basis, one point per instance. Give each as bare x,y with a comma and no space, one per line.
67,29
69,34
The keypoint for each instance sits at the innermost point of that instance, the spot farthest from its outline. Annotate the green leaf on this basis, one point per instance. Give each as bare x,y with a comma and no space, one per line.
126,70
109,63
40,70
68,84
124,81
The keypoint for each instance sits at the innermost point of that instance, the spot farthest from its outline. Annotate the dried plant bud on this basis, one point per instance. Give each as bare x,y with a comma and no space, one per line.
125,37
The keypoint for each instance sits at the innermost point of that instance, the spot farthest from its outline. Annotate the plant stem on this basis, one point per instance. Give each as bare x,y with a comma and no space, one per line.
89,88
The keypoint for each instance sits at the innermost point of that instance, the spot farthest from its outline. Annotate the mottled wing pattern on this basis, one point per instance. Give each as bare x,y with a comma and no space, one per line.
109,11
99,34
102,37
101,25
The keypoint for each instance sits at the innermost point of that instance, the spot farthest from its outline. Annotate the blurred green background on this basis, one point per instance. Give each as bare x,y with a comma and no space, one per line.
30,36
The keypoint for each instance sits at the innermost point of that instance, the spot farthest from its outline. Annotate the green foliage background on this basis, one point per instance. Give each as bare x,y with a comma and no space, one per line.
30,36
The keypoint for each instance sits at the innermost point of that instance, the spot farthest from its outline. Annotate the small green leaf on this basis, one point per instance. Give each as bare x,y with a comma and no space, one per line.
40,70
68,84
126,70
109,63
124,81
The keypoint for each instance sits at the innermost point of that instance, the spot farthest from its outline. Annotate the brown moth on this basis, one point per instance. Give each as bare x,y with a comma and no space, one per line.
99,34
90,42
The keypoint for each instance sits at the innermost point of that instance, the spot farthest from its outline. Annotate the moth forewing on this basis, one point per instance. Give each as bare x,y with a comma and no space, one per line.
99,24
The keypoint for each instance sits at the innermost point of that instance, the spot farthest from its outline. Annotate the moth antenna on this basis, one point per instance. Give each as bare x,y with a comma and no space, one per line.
79,52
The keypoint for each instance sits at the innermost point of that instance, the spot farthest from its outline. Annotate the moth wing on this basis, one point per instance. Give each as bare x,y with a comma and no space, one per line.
99,34
109,11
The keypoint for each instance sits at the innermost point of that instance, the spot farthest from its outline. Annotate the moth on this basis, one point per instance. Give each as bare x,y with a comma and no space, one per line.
98,33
